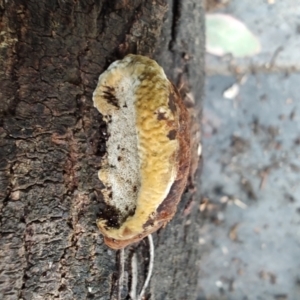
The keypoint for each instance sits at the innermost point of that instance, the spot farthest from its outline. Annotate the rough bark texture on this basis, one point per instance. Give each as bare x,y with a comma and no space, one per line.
52,141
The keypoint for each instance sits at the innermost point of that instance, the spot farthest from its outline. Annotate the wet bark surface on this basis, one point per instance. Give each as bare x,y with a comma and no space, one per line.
52,140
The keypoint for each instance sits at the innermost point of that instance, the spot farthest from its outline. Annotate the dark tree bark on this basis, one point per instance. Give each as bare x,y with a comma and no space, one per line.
51,143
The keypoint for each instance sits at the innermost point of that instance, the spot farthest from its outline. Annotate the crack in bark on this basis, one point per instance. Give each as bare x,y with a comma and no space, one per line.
176,14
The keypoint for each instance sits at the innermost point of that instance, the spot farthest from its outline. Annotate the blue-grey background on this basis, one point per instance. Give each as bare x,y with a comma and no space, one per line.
250,239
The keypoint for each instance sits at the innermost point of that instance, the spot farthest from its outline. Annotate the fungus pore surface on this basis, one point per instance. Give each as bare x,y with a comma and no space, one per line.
141,162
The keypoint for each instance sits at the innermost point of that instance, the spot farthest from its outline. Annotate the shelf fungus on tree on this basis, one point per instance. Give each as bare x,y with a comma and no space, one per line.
146,165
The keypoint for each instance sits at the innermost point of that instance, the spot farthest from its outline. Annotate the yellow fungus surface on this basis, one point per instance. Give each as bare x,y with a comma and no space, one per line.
139,114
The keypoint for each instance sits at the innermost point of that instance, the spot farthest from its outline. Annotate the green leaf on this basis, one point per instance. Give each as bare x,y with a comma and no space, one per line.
225,34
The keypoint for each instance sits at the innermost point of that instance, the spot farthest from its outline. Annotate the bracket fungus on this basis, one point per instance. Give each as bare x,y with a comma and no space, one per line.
146,165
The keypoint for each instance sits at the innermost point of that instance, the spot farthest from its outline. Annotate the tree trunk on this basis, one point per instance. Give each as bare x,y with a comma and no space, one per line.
51,144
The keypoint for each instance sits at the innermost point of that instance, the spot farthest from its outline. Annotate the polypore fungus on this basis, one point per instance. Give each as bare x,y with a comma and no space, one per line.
146,165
